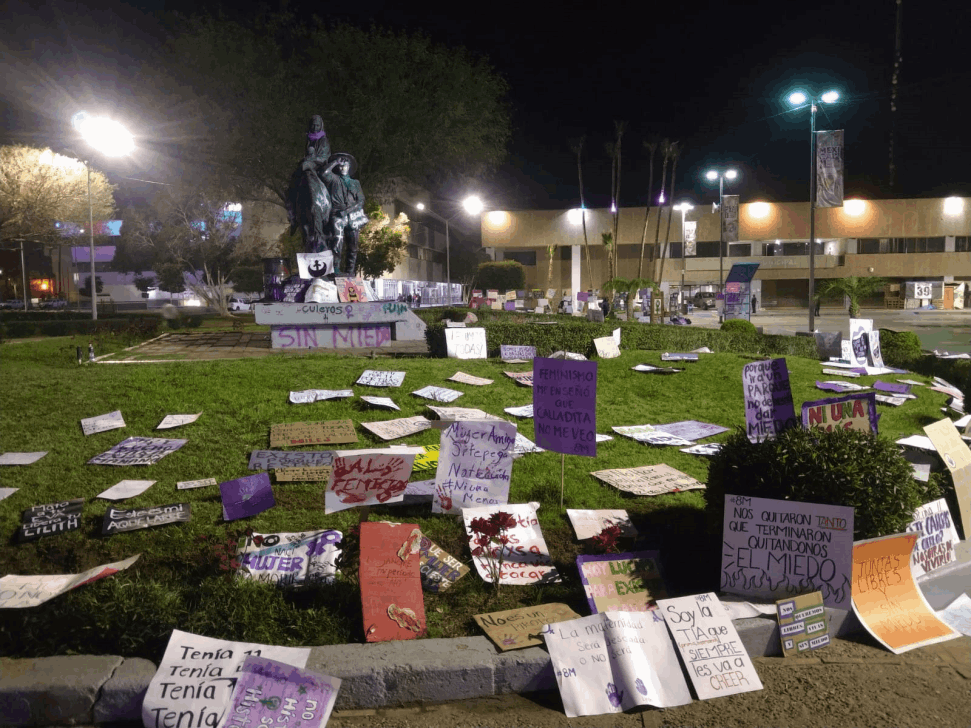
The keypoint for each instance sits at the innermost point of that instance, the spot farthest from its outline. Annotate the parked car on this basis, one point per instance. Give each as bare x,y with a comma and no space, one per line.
240,303
705,300
53,304
13,303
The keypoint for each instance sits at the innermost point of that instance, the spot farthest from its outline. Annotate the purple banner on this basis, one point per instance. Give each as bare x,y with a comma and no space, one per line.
768,399
891,387
565,406
268,692
247,496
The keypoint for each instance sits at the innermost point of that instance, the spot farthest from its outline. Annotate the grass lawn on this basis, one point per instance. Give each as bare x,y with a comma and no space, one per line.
178,582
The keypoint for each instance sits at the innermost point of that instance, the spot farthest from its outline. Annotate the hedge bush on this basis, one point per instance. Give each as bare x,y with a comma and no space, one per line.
900,348
506,275
740,325
81,327
841,467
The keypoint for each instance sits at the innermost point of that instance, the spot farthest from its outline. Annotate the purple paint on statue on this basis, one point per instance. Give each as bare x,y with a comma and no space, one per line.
565,406
247,496
890,387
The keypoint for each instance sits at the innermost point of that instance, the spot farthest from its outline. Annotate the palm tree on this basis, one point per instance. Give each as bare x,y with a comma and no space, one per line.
853,287
628,288
613,151
551,249
666,149
652,148
577,146
675,153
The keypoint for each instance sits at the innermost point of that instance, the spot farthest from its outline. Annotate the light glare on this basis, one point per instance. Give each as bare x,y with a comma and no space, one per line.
797,98
420,206
829,97
854,207
759,209
574,216
712,175
953,205
473,205
106,135
731,174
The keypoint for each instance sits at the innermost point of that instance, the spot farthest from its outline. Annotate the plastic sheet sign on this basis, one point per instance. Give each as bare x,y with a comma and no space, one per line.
290,559
612,662
246,496
565,406
775,548
368,479
526,557
937,537
888,601
514,629
138,451
474,465
768,399
629,582
710,647
390,580
30,591
275,693
860,330
803,624
957,457
853,412
195,679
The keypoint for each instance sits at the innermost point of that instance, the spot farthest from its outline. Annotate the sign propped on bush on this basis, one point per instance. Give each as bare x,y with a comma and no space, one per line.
768,399
854,412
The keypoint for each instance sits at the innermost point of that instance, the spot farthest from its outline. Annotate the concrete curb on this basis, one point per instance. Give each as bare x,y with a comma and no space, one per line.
107,689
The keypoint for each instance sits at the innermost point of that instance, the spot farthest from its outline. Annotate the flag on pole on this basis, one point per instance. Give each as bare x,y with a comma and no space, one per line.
829,168
690,237
729,218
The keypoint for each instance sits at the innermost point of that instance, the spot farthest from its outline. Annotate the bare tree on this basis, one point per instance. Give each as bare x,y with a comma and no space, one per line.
614,152
652,148
666,149
577,146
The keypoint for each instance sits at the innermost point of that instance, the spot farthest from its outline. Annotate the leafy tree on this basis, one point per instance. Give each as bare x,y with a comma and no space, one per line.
507,275
383,244
628,289
853,287
39,188
408,109
85,288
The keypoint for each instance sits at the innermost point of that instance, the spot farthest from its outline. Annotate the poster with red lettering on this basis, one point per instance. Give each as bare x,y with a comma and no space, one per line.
368,478
629,582
524,557
390,576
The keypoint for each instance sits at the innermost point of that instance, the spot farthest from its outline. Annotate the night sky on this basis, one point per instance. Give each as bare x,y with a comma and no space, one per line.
712,76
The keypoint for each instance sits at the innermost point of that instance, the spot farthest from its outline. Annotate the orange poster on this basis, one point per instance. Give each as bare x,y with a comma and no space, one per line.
886,598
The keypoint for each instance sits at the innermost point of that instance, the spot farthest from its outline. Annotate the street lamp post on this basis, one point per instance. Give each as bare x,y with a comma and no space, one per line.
797,99
112,139
683,207
712,175
473,206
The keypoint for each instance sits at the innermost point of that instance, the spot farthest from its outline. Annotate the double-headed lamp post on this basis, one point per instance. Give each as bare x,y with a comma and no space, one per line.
113,140
798,99
711,175
473,206
683,207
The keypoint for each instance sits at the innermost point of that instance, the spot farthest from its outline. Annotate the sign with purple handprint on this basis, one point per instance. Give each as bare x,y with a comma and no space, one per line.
247,496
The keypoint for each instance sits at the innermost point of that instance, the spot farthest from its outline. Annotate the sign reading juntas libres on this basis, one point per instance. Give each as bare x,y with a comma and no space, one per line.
565,406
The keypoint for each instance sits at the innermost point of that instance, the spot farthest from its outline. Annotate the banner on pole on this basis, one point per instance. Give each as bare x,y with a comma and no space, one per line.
829,168
729,216
691,237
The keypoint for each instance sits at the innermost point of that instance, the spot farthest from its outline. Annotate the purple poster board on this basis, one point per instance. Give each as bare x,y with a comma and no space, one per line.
626,582
273,693
891,387
138,451
768,399
852,412
565,406
247,496
691,429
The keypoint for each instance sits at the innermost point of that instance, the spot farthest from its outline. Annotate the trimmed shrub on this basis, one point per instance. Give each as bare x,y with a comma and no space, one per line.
841,467
740,326
900,348
193,322
507,275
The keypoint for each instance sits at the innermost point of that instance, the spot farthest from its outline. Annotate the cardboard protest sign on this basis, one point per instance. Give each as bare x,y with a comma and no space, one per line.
860,330
886,598
393,429
187,484
514,629
196,677
438,394
588,524
632,431
662,439
957,615
565,406
385,402
390,576
612,662
842,372
312,433
511,353
314,474
7,492
768,399
957,457
936,540
290,559
126,489
102,423
275,459
49,519
170,421
524,445
29,591
308,396
837,386
774,548
465,343
474,465
523,378
439,569
852,412
247,496
717,661
276,693
21,458
627,582
367,479
606,347
655,370
469,379
138,451
526,558
708,449
676,356
891,387
873,343
691,429
372,378
802,623
428,459
525,411
462,413
119,521
649,479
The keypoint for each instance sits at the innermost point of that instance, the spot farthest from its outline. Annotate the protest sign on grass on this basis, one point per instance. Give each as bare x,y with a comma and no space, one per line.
49,519
120,521
290,559
474,465
853,412
247,496
514,629
937,537
629,582
312,433
30,591
649,479
957,457
768,399
368,478
525,558
138,451
390,577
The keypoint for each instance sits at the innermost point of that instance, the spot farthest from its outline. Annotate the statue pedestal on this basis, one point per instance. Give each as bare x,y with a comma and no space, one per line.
368,325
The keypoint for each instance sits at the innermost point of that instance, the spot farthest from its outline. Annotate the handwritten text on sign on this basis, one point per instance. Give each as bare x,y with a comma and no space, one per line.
768,399
777,548
312,433
474,465
310,314
330,337
853,412
368,479
565,406
526,558
710,647
465,343
937,537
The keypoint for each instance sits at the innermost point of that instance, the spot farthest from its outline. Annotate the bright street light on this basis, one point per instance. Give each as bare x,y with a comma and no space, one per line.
420,206
797,99
111,139
712,175
473,205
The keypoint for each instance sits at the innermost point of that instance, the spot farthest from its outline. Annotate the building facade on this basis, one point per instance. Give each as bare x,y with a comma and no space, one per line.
906,240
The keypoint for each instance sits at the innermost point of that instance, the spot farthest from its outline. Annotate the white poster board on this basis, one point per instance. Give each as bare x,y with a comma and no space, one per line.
526,558
465,343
